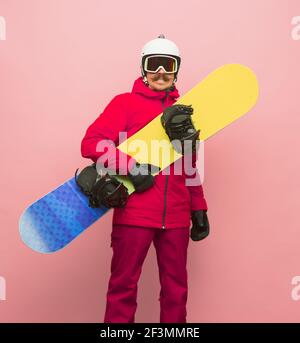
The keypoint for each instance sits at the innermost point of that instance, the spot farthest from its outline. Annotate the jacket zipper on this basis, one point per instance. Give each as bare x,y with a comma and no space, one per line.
167,178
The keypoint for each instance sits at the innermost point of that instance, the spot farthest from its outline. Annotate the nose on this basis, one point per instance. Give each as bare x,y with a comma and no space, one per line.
160,70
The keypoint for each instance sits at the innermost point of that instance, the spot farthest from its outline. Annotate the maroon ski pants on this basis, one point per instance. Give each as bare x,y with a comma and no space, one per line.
130,246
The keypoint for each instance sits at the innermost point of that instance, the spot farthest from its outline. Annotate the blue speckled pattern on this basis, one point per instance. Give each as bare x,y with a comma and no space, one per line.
55,220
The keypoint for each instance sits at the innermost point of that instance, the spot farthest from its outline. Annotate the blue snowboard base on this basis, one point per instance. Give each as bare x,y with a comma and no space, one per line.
55,220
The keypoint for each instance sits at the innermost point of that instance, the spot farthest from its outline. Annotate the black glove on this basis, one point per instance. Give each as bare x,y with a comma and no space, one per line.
176,120
140,176
200,228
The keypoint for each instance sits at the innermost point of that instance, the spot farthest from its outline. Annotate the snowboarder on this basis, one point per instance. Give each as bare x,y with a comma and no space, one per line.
162,207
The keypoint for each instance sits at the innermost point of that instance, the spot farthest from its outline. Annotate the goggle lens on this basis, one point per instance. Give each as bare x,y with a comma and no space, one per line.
153,63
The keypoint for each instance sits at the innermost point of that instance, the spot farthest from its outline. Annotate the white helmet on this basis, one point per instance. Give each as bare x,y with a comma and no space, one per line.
161,46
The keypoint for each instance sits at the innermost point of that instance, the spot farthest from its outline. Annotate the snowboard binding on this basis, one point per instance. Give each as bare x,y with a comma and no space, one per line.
101,189
176,120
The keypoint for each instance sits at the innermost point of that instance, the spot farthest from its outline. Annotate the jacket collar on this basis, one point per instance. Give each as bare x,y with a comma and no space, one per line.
140,88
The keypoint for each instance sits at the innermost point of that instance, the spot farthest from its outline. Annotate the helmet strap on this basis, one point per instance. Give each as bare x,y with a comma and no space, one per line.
145,80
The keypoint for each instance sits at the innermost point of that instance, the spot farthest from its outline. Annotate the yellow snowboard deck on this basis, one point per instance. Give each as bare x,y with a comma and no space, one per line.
221,98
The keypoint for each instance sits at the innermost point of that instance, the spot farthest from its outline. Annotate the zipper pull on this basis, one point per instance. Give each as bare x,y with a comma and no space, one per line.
163,228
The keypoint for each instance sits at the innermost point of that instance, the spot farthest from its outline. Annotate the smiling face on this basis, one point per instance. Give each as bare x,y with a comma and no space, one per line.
160,80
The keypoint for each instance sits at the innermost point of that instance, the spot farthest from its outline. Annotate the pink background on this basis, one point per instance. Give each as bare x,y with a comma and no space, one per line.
61,63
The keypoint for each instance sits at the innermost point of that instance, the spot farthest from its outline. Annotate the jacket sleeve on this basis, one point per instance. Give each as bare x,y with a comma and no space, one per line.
107,127
195,188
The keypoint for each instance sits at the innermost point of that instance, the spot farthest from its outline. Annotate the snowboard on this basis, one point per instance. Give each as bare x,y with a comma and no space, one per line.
226,94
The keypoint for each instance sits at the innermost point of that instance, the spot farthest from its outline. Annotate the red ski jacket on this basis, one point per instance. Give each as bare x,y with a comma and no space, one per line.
169,202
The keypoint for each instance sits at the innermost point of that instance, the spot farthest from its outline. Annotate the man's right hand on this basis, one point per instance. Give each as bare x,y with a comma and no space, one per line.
140,176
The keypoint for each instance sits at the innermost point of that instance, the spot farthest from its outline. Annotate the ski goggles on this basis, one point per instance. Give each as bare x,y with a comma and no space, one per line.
154,62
